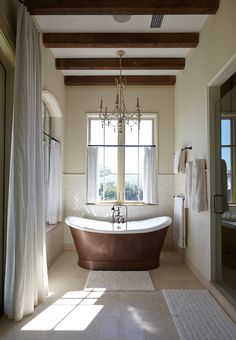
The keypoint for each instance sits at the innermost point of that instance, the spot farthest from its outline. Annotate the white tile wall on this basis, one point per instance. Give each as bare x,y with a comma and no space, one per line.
75,199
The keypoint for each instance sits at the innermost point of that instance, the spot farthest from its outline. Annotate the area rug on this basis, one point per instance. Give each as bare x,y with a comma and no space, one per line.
198,316
122,281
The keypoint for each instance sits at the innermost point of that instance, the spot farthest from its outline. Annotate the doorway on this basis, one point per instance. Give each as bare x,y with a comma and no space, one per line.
225,189
2,175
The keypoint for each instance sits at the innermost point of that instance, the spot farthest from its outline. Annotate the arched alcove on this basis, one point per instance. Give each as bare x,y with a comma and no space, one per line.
50,100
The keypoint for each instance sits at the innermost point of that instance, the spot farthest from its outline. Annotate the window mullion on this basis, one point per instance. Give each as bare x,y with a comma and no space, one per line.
104,160
121,165
138,168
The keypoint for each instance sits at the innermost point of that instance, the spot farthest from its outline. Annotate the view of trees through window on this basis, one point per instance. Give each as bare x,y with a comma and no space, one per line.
228,153
123,179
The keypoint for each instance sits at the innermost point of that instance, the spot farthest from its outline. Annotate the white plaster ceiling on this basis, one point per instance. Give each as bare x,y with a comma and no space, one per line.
116,72
111,52
106,23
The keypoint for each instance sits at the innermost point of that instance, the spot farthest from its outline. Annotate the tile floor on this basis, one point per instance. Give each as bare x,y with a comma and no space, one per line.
70,313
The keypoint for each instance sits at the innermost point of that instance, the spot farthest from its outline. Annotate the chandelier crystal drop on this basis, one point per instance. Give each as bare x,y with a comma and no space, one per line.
120,115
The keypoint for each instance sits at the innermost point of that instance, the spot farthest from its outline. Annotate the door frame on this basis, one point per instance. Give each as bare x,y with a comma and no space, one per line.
215,220
8,61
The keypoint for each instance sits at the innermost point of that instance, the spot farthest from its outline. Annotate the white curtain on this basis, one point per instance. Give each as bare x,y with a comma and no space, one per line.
26,281
92,174
150,176
55,187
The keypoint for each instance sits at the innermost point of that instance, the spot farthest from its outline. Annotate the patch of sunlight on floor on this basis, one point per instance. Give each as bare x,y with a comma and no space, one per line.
49,318
146,325
79,319
75,310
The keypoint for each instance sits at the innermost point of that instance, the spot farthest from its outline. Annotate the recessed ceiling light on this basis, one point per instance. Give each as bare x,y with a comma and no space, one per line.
121,18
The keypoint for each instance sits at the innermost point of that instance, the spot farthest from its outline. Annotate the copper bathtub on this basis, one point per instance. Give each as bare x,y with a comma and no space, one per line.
137,246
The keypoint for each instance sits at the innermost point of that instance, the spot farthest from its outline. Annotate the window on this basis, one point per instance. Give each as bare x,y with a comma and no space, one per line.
47,128
228,153
121,159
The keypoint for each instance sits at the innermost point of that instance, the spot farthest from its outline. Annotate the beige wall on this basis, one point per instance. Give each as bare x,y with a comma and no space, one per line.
82,100
53,81
217,45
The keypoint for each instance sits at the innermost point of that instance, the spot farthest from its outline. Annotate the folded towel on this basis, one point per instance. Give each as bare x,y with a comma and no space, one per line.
177,161
229,216
182,162
224,184
199,190
179,222
188,184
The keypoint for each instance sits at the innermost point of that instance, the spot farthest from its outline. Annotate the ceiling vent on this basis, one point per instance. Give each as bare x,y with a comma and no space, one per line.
157,20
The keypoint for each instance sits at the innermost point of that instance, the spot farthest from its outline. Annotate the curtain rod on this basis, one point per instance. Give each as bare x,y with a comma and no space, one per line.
46,134
123,145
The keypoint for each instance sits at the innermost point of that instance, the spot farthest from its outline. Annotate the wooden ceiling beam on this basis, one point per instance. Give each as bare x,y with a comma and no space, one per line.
113,63
120,40
121,7
111,80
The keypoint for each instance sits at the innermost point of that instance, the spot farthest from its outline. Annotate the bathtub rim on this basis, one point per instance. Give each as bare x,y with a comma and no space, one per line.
165,221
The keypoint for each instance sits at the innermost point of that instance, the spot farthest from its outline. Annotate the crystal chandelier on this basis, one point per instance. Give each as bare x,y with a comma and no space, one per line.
120,115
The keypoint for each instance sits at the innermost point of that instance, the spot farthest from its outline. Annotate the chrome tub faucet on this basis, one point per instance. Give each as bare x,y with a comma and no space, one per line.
117,217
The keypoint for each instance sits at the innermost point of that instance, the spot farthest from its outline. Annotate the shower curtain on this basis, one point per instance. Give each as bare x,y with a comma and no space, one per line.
150,176
55,189
26,282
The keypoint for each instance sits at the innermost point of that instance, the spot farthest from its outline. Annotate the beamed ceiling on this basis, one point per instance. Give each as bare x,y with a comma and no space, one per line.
84,37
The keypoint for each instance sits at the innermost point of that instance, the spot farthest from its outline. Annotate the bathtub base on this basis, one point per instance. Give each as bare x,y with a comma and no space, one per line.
101,251
116,265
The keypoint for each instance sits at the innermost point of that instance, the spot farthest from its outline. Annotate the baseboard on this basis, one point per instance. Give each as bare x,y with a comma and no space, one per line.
212,288
69,246
55,257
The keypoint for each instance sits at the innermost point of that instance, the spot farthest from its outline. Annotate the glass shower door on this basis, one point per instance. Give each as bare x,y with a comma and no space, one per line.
225,198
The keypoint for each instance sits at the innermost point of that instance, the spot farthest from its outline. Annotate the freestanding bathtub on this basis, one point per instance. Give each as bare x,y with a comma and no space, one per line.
100,247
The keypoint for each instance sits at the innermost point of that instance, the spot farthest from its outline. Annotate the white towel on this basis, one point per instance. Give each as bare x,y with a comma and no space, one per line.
179,222
199,190
177,161
224,184
188,184
182,161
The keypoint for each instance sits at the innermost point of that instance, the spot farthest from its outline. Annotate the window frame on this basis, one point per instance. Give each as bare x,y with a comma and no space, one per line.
121,157
232,117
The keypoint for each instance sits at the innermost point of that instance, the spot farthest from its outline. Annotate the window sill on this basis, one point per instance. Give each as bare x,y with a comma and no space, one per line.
121,203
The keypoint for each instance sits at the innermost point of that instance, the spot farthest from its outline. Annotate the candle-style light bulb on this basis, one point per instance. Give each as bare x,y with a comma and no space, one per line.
137,101
101,103
117,99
